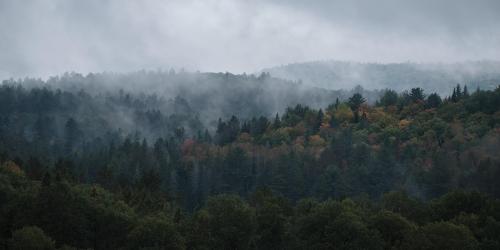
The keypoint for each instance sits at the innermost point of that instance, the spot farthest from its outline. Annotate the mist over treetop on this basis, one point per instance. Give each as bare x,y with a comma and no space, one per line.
166,99
433,77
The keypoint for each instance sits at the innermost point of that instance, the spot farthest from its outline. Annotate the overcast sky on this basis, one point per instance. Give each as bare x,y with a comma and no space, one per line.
45,37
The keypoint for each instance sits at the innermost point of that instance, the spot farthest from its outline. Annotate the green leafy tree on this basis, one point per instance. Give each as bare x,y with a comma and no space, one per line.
272,214
389,98
433,101
155,232
230,223
446,235
31,238
409,207
394,229
334,225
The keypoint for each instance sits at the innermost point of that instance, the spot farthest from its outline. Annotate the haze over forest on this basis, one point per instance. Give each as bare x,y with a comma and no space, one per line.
233,124
46,38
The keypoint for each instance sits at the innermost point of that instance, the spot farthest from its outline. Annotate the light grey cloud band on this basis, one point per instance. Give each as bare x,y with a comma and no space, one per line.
41,38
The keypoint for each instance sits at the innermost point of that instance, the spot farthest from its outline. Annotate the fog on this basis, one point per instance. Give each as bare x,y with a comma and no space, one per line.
432,77
43,38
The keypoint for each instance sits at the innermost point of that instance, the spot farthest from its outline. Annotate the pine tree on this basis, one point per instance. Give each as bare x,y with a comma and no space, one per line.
277,121
355,101
245,127
417,94
319,121
356,117
459,92
454,95
207,138
466,92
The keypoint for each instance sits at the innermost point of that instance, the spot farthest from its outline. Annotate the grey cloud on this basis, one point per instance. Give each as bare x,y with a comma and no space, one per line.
42,38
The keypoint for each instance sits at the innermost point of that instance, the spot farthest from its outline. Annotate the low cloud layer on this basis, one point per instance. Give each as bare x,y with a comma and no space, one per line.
41,38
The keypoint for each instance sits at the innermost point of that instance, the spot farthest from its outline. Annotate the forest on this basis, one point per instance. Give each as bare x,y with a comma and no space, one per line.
161,169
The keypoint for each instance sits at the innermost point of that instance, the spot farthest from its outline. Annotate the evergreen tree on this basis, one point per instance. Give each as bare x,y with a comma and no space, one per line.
459,92
417,94
389,98
277,121
318,122
454,97
207,137
355,102
433,101
466,92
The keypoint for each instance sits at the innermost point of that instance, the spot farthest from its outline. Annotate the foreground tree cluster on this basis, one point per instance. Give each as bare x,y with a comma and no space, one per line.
57,214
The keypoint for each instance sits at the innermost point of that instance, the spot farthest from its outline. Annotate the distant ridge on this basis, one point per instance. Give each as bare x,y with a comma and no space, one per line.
433,77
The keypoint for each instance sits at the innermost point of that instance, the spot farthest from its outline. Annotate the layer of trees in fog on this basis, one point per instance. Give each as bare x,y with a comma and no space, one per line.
433,77
154,103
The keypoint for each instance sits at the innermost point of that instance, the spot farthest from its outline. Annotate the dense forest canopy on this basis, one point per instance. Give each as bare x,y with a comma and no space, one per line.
176,165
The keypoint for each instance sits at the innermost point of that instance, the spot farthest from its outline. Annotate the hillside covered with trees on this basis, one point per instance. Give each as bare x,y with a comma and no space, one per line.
129,170
209,95
433,77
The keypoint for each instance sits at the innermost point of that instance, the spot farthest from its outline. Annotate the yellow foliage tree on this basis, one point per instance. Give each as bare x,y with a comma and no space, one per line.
343,113
316,141
13,168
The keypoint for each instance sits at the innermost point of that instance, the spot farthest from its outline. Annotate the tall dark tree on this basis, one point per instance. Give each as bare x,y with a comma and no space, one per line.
318,121
277,121
355,101
465,94
417,94
389,98
433,101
